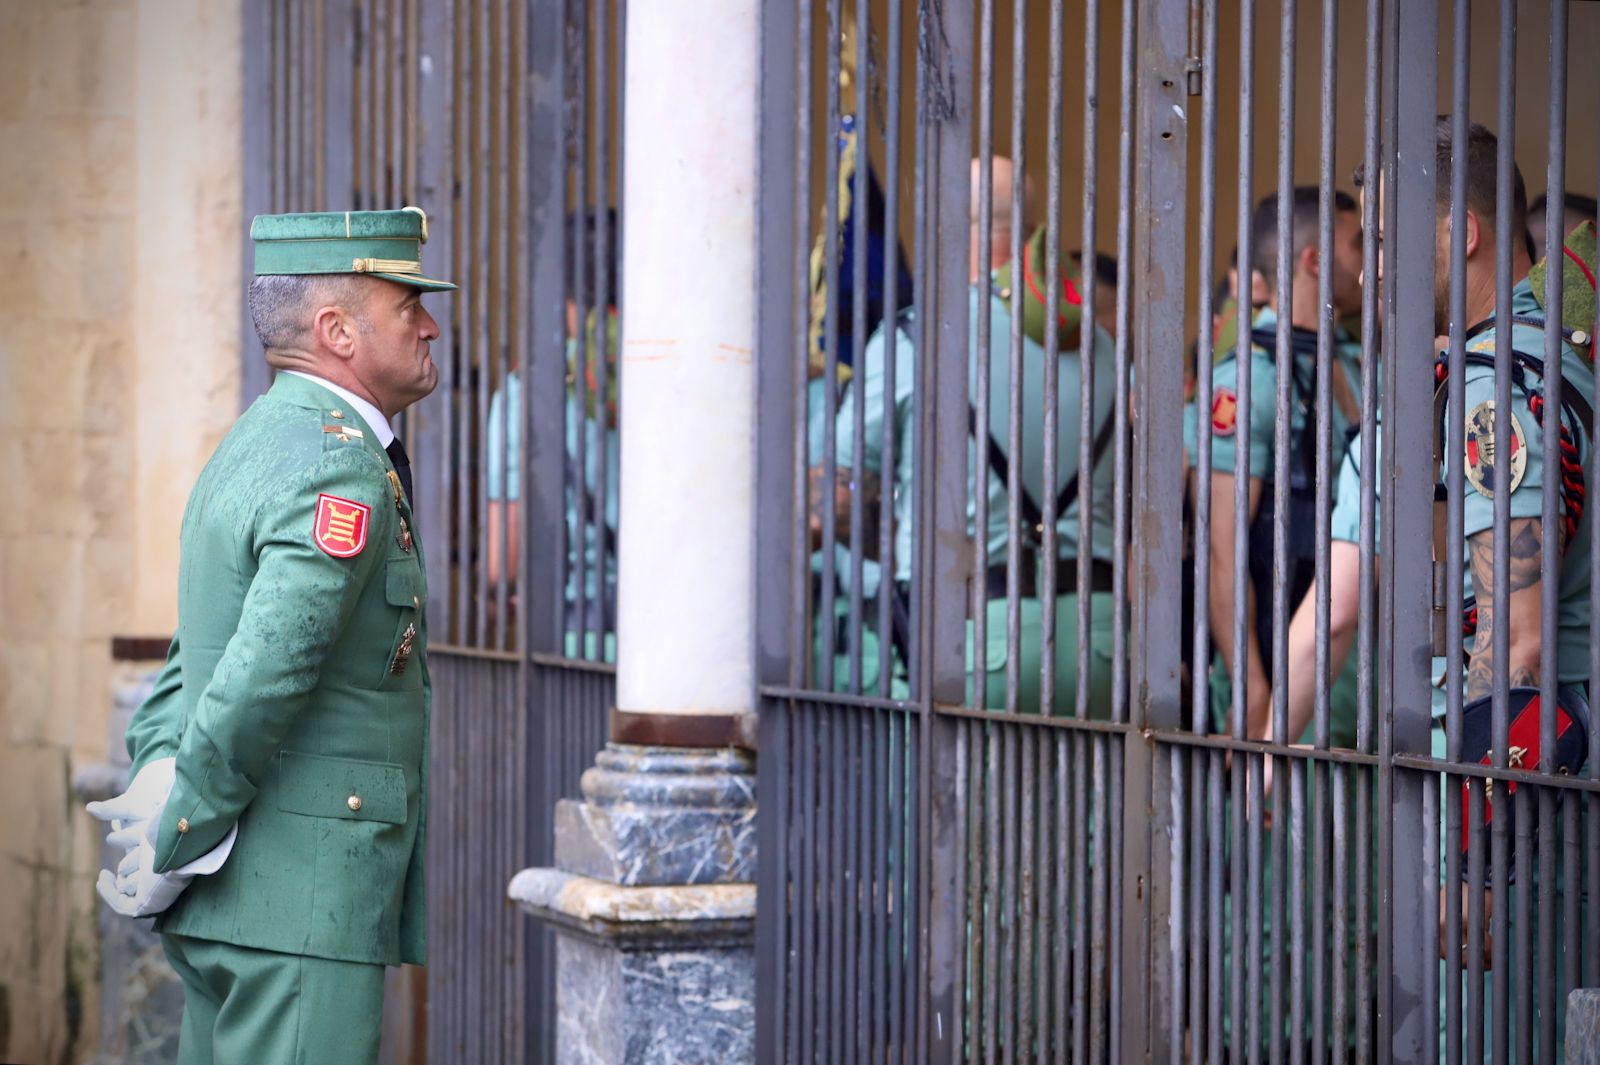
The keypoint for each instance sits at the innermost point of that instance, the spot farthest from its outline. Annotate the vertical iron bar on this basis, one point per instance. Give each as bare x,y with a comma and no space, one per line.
830,345
1407,944
1141,963
597,342
1500,649
981,428
860,221
1326,474
887,574
778,537
1286,368
576,498
939,496
1244,1025
1088,248
1550,553
1367,627
1014,486
1206,936
1455,548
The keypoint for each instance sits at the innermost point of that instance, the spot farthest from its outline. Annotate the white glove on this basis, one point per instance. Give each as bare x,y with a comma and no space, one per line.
143,800
137,890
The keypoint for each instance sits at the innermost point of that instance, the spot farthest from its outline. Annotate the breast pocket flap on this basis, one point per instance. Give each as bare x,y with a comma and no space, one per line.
403,584
349,788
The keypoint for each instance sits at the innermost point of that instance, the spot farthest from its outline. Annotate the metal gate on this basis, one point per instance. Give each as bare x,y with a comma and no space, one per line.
502,119
1102,877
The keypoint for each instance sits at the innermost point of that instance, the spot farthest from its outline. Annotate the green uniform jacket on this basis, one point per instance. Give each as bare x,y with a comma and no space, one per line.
287,698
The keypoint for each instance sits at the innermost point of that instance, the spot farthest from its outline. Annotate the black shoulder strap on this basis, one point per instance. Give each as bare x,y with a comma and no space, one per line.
1032,515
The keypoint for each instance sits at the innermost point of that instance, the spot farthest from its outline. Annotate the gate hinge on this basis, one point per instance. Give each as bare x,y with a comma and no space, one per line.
1440,627
1193,71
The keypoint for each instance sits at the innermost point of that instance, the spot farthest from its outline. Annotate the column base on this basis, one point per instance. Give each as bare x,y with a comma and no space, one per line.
653,904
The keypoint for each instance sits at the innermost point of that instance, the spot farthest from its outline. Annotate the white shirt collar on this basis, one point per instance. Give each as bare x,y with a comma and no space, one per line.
370,414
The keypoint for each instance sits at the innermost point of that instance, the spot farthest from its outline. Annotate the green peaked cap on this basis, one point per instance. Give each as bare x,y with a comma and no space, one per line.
1068,305
1579,269
386,244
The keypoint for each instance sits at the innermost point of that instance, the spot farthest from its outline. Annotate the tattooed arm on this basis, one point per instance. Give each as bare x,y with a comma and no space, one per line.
1522,607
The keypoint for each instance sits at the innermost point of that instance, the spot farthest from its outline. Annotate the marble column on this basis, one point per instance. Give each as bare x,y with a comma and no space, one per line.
652,894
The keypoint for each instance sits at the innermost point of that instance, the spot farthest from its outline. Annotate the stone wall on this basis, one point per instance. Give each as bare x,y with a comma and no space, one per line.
119,317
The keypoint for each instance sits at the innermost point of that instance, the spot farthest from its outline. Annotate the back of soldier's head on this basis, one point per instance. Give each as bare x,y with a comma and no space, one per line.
1305,204
1479,155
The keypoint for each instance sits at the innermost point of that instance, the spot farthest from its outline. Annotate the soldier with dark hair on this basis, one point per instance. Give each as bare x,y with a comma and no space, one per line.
1526,454
1301,305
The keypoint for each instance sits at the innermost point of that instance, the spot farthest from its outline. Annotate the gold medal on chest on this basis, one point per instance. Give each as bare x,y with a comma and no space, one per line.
404,539
402,654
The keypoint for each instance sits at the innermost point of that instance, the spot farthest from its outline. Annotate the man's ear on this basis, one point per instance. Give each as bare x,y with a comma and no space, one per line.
1308,261
333,330
1472,231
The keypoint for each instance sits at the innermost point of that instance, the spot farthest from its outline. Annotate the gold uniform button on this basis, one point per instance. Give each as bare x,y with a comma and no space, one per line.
183,824
416,602
354,802
336,413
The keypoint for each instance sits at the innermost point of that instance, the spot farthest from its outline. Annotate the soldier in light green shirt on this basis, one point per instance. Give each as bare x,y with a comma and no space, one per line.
1529,469
1301,304
1070,488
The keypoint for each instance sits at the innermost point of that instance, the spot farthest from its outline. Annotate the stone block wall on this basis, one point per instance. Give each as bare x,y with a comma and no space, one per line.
119,315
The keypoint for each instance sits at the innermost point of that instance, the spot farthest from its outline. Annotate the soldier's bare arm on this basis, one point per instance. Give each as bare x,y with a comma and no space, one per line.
1221,610
1344,610
1524,547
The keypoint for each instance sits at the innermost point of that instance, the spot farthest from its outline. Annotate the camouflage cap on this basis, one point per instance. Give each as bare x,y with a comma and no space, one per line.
1035,317
1577,285
386,244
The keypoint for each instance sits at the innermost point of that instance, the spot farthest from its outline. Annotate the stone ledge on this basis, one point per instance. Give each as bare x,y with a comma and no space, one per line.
700,914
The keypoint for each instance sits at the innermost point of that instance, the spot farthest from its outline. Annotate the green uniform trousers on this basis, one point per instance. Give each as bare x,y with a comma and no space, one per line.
1030,653
265,1008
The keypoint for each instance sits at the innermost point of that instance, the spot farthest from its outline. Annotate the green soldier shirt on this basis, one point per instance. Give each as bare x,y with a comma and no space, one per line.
1263,412
1527,491
504,443
870,388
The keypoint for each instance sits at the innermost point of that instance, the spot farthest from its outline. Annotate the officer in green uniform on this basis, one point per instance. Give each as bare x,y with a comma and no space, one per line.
591,521
1302,305
1070,490
276,820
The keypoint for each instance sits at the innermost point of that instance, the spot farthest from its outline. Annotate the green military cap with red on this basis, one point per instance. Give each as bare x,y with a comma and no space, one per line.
386,244
1036,308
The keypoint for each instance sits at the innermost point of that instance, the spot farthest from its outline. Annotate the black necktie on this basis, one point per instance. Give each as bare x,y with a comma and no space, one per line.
402,465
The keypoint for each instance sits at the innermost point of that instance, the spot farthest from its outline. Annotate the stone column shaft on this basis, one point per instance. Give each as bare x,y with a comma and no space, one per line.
688,288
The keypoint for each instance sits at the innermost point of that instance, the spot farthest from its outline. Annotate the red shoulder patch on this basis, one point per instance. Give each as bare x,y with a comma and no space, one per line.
1224,412
340,527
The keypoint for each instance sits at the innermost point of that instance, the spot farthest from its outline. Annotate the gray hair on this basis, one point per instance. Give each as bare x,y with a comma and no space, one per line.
281,305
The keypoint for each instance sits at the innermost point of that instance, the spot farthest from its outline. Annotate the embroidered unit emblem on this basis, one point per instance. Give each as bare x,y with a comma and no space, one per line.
340,527
1224,412
1482,453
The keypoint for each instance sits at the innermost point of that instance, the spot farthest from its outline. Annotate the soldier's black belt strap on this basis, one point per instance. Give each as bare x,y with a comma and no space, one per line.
1101,577
1032,516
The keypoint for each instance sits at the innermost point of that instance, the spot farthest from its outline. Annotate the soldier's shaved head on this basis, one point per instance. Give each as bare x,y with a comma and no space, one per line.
1004,217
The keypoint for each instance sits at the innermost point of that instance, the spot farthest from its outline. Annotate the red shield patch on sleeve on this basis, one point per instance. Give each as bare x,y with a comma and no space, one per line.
340,527
1224,412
